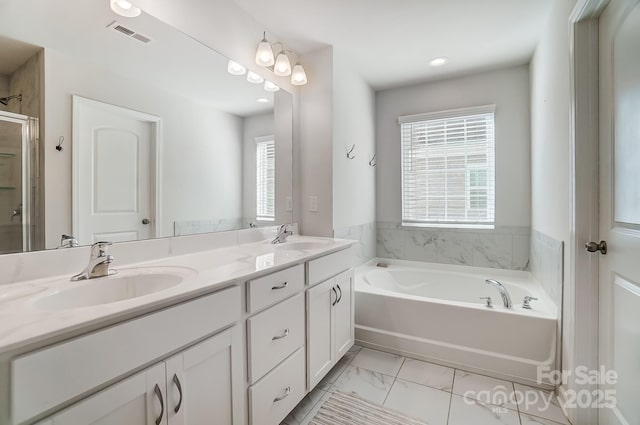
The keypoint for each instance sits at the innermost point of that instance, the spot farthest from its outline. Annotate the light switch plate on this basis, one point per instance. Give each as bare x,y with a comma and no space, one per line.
313,204
289,204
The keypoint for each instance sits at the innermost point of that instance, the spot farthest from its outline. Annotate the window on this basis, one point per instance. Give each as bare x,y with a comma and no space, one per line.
265,178
448,168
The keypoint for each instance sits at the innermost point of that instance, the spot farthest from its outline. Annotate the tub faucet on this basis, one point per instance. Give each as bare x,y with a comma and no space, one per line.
282,235
99,262
506,299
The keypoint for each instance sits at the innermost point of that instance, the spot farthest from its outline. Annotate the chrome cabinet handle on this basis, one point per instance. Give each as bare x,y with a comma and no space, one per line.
339,299
158,392
335,292
176,381
285,334
284,285
287,391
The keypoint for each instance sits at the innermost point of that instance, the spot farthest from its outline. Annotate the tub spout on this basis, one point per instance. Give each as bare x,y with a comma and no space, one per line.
506,299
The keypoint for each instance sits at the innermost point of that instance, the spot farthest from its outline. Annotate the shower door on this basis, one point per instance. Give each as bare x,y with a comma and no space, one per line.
15,187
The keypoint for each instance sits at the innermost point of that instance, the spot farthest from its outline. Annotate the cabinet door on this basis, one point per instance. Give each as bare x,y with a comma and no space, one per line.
320,342
138,400
204,382
343,323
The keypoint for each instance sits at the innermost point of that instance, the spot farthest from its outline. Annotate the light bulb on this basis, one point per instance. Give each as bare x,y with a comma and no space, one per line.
282,67
254,78
125,8
264,54
269,86
235,68
298,77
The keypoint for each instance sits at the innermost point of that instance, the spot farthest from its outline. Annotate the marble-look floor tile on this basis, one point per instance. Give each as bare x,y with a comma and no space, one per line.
351,354
429,374
331,376
420,402
485,389
314,410
533,420
377,361
536,402
466,411
303,408
366,384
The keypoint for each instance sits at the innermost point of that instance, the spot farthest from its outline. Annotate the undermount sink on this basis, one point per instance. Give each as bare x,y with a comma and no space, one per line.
302,245
125,285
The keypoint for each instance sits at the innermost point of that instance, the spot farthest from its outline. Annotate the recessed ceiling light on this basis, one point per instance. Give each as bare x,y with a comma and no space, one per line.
235,68
262,100
124,8
254,78
439,61
269,86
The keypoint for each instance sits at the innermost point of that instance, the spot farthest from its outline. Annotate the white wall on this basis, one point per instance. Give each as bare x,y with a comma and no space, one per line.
354,184
202,174
253,126
508,89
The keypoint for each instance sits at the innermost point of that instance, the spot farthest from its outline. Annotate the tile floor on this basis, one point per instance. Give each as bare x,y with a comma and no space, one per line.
432,393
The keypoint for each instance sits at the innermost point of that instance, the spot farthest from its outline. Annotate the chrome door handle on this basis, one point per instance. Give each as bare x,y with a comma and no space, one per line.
335,292
339,299
176,381
284,285
158,392
145,221
595,246
287,391
284,335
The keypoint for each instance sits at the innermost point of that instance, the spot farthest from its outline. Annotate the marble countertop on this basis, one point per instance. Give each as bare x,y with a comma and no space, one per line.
24,323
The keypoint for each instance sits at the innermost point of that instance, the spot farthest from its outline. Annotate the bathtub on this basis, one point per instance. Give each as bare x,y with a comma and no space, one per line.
434,312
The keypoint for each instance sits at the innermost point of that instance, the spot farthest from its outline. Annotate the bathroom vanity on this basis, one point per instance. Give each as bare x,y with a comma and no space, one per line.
245,333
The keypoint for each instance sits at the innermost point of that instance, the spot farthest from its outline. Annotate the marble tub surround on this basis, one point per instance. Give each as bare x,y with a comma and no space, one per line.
239,258
432,393
365,235
505,247
547,263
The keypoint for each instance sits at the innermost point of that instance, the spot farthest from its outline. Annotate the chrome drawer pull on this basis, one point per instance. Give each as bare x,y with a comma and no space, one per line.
284,285
285,334
176,381
336,300
287,391
339,299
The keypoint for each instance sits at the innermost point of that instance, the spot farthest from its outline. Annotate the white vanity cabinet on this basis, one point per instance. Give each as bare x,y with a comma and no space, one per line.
330,324
194,387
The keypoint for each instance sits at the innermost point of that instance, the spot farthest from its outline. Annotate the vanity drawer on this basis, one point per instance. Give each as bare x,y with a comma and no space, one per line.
91,360
267,290
274,334
323,268
271,399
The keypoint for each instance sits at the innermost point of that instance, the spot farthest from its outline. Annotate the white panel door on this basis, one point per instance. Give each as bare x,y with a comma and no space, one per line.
204,383
320,337
114,181
343,322
619,336
138,400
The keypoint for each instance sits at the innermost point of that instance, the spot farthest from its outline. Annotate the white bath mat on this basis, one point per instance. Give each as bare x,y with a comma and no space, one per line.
345,409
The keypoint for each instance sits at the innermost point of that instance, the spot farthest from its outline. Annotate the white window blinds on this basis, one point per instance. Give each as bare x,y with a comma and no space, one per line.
448,168
265,178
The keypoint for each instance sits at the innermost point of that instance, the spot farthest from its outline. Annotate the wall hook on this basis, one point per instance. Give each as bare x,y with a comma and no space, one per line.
60,142
349,155
373,162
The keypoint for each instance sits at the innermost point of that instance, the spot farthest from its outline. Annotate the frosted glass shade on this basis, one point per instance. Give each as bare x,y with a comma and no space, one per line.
264,54
235,68
298,77
282,68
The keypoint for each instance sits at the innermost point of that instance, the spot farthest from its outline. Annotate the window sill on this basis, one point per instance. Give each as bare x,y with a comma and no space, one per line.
448,226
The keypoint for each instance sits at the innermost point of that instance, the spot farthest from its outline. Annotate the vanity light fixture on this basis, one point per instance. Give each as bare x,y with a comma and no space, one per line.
264,54
281,63
439,61
234,68
271,87
125,8
254,78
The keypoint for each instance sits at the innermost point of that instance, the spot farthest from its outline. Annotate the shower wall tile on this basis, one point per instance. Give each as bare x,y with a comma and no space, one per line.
365,234
505,247
193,227
547,264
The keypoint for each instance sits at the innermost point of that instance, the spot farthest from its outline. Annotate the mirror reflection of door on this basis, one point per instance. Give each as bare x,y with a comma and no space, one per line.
114,173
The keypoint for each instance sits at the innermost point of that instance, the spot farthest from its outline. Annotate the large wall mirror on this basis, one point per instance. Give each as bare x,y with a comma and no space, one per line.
122,129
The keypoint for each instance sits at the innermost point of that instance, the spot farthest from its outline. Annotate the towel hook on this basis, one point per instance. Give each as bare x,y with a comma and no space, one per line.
373,162
349,155
60,142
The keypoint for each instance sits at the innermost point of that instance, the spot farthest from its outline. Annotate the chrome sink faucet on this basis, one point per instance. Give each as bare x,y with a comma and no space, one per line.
506,299
99,262
282,235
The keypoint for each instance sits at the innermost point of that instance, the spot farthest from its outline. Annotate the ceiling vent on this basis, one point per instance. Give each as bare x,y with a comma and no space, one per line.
116,26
